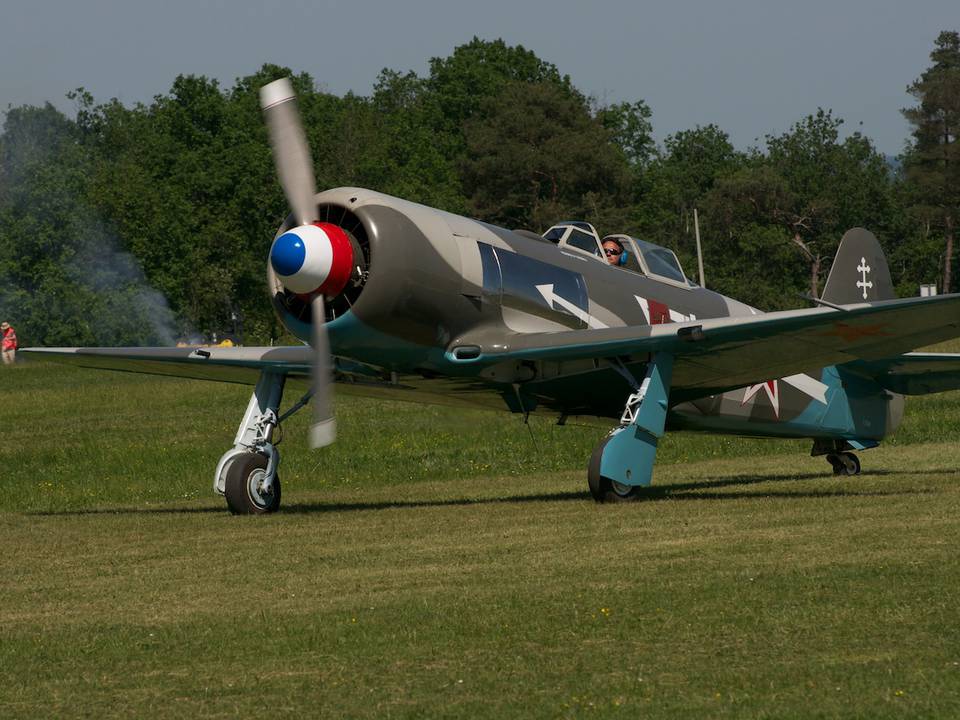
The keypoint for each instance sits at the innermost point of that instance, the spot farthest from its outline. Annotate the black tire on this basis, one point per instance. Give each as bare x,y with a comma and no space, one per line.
603,489
243,476
836,463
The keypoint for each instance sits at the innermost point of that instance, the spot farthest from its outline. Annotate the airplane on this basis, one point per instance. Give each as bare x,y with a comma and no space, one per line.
393,299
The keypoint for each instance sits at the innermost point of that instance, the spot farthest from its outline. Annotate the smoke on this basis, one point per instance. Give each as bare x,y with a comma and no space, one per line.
114,275
64,277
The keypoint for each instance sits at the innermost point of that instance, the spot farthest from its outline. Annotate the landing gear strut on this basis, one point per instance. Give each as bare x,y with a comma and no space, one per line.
247,473
622,464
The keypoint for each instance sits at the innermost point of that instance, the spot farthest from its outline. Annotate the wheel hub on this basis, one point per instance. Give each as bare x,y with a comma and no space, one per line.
258,493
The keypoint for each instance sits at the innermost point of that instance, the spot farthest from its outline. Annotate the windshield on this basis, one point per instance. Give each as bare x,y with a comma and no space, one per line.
661,261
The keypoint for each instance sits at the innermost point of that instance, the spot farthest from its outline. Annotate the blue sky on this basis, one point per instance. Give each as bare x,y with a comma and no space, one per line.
751,67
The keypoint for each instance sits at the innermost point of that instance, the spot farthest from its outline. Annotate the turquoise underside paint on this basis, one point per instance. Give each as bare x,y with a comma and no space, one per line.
351,338
856,409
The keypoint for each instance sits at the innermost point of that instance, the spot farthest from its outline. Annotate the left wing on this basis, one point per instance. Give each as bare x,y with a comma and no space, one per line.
224,364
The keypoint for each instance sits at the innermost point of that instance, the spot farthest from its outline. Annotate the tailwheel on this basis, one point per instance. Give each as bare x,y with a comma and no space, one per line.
845,463
851,463
246,489
603,489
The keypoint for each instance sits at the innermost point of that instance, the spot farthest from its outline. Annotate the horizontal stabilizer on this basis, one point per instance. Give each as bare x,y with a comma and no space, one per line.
914,373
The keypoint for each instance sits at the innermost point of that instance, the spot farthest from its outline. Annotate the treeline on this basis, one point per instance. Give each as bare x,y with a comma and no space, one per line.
141,224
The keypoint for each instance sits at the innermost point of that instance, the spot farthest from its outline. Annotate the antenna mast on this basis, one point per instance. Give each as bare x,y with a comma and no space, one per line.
696,230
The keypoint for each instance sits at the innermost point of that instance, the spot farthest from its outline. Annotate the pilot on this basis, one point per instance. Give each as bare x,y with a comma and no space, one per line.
613,250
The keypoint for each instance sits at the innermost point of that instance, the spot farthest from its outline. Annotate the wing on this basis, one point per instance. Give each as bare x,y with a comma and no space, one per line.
915,373
711,356
244,364
224,364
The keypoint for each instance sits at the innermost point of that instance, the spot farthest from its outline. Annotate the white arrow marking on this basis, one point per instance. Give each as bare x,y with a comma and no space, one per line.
808,386
645,307
554,299
680,317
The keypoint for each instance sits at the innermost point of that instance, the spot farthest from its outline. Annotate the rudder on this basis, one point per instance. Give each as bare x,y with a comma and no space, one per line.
859,273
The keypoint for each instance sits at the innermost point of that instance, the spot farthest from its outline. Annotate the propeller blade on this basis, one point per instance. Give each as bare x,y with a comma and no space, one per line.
291,154
323,430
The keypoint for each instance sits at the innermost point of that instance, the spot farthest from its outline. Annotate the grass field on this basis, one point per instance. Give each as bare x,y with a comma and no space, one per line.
444,564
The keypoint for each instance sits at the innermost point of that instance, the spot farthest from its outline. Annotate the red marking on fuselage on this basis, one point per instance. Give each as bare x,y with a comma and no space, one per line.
659,313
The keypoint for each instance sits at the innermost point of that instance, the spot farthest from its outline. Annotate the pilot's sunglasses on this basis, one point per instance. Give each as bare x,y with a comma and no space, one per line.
608,252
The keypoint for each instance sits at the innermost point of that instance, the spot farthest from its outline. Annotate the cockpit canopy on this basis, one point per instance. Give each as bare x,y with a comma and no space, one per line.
576,234
655,260
641,256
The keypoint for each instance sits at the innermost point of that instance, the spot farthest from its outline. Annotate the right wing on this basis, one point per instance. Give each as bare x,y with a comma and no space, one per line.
712,356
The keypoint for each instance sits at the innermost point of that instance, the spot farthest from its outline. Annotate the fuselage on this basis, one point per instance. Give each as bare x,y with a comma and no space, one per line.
437,290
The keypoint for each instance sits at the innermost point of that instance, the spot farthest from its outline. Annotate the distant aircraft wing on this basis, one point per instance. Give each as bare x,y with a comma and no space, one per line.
711,356
914,373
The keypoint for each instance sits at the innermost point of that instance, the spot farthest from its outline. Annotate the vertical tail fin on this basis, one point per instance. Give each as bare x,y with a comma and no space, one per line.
859,273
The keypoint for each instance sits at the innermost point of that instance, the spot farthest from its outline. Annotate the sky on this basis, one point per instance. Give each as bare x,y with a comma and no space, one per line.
752,67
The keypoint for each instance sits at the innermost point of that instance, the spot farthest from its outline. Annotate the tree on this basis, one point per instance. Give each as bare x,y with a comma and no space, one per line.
746,249
479,70
801,196
833,186
409,153
631,130
678,180
535,155
932,161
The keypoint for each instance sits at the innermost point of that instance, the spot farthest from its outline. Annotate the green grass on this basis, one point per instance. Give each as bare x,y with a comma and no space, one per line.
434,564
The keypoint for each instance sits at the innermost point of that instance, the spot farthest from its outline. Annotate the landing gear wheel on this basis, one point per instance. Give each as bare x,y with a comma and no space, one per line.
845,463
851,463
603,489
244,486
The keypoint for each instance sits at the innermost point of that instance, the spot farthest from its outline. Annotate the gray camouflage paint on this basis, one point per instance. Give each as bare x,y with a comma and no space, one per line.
444,283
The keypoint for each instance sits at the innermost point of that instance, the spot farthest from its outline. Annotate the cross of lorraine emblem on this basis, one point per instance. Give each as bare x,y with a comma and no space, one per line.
863,269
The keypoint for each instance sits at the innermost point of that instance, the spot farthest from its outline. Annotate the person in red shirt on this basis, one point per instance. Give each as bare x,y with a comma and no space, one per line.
8,343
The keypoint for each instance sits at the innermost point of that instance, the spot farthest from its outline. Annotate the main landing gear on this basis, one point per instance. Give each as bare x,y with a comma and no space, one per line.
247,473
622,464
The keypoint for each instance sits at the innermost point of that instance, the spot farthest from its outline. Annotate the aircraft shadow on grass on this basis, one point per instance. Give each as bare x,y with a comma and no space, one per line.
670,491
